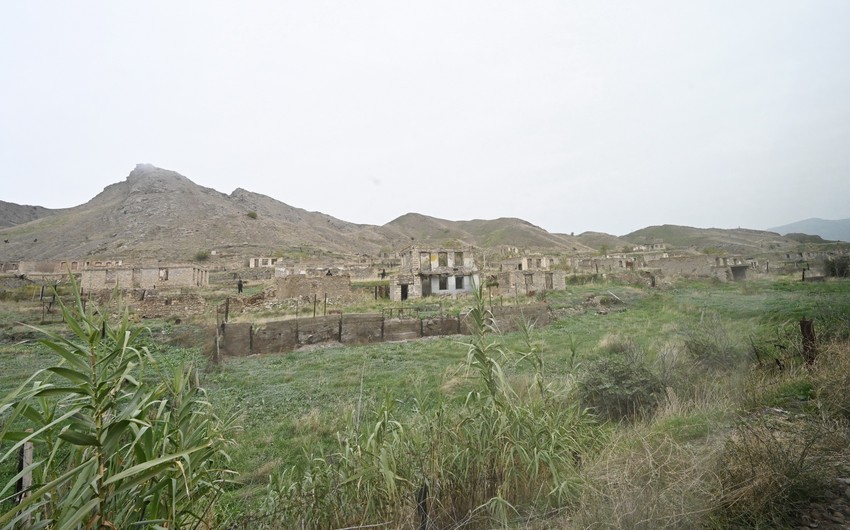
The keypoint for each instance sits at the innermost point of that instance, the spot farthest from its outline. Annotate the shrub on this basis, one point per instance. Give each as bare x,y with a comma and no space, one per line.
202,255
116,440
710,345
837,267
617,389
252,214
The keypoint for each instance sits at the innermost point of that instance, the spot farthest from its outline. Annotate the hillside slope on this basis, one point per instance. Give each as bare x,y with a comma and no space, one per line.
732,241
12,214
831,230
156,214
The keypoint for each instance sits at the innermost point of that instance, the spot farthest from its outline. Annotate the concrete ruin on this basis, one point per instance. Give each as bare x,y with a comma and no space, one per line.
159,277
336,286
360,328
526,282
533,262
434,272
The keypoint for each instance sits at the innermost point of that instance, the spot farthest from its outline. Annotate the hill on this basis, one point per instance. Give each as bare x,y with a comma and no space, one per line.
599,240
838,230
731,241
430,231
159,215
156,214
12,214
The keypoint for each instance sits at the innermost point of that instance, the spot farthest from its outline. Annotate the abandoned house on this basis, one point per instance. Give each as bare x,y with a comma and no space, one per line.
262,262
434,272
528,282
534,262
159,277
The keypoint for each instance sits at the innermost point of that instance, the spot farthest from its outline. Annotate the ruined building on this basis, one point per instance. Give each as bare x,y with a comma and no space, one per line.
434,272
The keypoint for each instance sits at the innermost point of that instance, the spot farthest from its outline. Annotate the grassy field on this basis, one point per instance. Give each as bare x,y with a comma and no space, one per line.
692,368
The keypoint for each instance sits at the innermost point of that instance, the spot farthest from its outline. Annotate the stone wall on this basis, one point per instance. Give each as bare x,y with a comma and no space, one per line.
301,285
288,335
528,282
167,277
152,304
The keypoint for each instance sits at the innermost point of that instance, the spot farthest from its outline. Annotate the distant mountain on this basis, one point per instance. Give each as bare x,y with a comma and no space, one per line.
731,241
156,214
12,214
159,215
838,230
600,240
430,231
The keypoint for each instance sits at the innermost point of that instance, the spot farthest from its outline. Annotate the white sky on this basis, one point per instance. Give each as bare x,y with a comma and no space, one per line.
602,115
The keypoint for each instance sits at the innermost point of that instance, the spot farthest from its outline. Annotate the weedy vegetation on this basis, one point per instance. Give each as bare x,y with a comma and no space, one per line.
689,405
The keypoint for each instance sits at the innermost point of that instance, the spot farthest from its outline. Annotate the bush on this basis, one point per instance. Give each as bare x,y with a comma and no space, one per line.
617,389
837,267
202,255
252,214
709,344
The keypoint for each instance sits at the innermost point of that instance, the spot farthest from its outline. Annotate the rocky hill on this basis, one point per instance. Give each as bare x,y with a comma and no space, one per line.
12,214
157,215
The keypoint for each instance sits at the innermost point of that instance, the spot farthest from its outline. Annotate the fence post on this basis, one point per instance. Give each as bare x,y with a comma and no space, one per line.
25,482
422,506
807,329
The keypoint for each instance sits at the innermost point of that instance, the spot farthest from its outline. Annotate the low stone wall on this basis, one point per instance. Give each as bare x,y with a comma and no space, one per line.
153,304
287,335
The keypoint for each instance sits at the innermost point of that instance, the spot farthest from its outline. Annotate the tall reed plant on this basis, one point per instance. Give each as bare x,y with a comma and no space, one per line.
497,455
117,442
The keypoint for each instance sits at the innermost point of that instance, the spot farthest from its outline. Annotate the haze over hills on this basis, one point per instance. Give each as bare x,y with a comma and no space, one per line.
837,230
159,215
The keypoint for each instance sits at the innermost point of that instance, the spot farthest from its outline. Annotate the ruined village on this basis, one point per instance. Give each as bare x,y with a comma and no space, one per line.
313,296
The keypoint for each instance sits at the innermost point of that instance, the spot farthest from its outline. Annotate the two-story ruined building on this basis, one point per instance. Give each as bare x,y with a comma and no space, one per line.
434,272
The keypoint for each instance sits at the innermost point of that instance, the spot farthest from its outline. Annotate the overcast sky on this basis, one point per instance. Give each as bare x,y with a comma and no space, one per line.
604,115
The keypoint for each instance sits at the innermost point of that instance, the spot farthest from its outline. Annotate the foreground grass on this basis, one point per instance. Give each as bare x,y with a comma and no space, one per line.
682,465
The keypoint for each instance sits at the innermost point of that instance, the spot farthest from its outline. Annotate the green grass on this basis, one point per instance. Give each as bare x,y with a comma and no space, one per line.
295,404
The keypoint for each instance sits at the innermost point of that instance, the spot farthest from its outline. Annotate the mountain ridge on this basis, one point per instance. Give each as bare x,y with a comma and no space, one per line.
157,214
831,230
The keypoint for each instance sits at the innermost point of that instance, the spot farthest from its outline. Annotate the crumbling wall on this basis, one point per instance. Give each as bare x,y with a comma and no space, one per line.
273,337
288,335
301,285
529,282
695,266
144,278
151,304
361,328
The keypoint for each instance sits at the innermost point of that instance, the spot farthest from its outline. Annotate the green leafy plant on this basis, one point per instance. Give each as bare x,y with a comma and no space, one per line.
618,389
117,442
252,214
